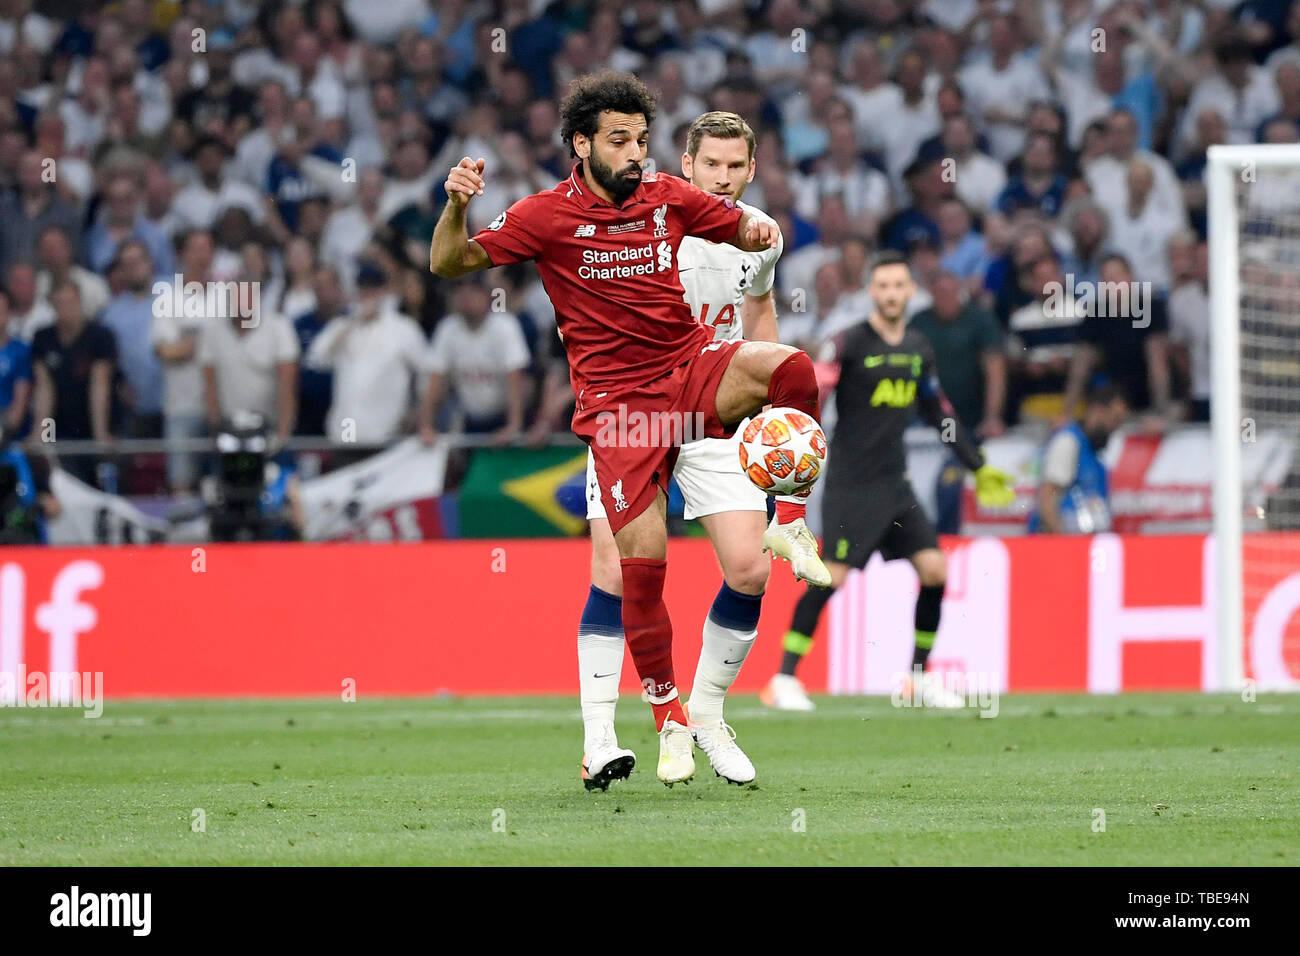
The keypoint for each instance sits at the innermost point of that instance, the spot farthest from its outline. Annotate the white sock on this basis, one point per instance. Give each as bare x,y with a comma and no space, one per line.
721,656
600,666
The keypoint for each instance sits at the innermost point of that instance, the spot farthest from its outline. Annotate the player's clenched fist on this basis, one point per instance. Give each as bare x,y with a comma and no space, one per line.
760,234
465,181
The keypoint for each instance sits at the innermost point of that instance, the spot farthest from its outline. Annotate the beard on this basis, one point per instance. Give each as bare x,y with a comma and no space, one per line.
618,185
1099,438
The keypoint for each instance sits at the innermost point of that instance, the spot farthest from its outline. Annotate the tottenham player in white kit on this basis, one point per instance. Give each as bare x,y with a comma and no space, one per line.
731,291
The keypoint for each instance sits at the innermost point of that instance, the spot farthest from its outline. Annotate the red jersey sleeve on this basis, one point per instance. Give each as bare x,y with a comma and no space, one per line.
710,217
513,236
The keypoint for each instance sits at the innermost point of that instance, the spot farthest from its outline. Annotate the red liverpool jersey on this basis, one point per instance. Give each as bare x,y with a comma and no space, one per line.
611,272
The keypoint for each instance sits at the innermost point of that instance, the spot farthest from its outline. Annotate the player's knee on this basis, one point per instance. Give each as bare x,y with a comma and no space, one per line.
933,570
748,577
607,573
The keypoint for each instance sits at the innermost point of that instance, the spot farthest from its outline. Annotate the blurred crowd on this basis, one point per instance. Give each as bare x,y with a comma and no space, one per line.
1017,152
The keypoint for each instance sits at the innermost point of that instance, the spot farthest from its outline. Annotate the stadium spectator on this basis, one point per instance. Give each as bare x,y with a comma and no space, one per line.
969,355
979,178
961,248
376,355
1086,229
28,312
1107,175
130,316
1043,336
901,132
1141,227
797,269
120,220
174,335
804,328
999,86
1241,91
250,364
297,294
1189,320
350,228
210,192
919,221
1124,341
315,386
55,255
73,362
32,207
15,376
1040,186
843,172
478,356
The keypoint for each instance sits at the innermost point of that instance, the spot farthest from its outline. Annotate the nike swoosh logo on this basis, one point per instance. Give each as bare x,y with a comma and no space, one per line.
732,662
610,674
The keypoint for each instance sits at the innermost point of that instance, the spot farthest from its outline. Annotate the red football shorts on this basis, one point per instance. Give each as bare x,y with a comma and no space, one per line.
634,433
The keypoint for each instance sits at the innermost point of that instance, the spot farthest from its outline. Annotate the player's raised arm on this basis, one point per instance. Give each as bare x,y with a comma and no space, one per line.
452,253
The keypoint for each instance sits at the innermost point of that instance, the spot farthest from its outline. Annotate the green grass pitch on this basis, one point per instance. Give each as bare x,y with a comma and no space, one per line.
1181,779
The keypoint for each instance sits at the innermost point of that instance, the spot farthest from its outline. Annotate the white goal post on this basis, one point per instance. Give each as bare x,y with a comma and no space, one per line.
1232,176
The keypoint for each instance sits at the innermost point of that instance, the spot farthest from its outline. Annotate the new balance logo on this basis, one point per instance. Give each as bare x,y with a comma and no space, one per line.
584,232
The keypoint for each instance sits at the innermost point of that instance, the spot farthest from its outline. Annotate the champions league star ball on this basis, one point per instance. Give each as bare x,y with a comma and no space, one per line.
783,451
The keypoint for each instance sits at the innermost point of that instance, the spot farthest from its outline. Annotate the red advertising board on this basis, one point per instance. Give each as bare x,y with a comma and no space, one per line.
499,617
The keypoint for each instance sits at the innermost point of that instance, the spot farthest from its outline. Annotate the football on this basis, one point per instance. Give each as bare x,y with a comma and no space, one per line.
783,451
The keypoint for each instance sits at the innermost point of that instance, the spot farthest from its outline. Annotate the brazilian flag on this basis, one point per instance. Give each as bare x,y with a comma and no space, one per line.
522,493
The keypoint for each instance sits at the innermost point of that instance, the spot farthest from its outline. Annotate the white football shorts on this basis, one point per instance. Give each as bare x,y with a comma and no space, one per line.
708,473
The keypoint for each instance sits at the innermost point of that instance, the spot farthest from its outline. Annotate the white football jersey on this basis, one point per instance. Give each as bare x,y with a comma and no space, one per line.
717,276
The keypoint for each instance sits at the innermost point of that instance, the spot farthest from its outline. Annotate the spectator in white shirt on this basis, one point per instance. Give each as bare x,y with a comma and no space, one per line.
979,178
351,228
250,364
1107,175
1243,92
28,312
481,356
1140,229
197,205
843,172
375,353
175,340
916,118
1000,87
55,251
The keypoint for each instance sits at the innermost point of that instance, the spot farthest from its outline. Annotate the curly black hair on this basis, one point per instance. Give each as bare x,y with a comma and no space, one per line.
591,94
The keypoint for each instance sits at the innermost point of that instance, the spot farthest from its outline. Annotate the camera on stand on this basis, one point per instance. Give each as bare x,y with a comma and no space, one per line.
239,506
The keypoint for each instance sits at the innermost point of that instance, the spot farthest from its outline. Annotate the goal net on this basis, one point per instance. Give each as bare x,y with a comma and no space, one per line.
1254,251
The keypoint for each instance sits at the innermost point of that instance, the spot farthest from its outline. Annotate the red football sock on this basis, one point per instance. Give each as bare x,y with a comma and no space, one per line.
787,511
794,385
649,635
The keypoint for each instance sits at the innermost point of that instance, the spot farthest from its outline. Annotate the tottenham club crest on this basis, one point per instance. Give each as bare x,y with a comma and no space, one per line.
661,224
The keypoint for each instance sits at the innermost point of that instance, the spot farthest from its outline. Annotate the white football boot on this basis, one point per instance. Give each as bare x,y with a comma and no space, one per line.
605,761
676,753
795,543
718,741
785,692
